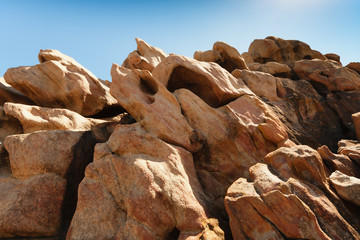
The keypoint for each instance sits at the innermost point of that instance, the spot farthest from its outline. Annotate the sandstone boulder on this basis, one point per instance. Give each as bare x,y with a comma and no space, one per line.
350,148
346,186
209,81
223,54
273,68
356,120
281,51
60,81
333,56
8,125
145,188
10,94
34,118
354,66
153,106
145,57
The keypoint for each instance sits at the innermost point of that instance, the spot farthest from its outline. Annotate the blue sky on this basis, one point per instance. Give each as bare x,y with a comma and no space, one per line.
98,33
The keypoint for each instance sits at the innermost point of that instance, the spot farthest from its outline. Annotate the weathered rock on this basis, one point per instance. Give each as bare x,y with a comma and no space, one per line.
253,216
274,214
145,188
346,186
281,51
8,125
354,66
333,56
351,149
223,54
247,58
145,57
356,120
209,81
48,167
148,101
329,74
10,94
34,118
31,207
273,68
59,81
338,162
343,104
309,120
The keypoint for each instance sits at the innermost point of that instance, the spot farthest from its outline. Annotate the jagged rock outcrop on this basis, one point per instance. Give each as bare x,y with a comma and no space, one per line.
60,81
217,147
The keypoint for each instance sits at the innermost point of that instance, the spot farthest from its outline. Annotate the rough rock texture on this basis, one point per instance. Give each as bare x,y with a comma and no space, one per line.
356,120
147,189
10,94
225,55
209,81
145,57
217,147
148,101
60,81
346,186
34,118
281,51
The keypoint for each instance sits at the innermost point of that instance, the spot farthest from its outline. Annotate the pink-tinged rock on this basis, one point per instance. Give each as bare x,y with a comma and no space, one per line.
153,106
223,54
329,74
32,207
9,125
236,136
147,188
208,80
356,120
262,84
145,57
41,152
282,51
354,66
60,81
350,148
10,94
274,214
273,68
346,186
300,161
338,162
34,118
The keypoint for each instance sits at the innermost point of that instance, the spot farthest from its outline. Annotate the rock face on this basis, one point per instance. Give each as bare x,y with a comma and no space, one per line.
60,81
258,145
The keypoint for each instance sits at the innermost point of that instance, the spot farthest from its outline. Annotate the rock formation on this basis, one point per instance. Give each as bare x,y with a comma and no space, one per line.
258,145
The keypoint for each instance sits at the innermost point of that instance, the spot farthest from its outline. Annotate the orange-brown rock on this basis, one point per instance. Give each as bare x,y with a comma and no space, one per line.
148,101
347,187
209,81
31,207
338,162
145,188
333,56
282,51
10,94
350,148
225,55
356,120
354,66
34,118
273,68
299,106
60,81
8,125
145,57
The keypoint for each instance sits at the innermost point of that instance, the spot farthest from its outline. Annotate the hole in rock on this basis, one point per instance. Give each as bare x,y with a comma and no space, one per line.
148,86
320,88
307,57
174,234
182,77
110,111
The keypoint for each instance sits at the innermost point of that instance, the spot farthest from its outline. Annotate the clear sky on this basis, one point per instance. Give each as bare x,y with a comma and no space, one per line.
98,33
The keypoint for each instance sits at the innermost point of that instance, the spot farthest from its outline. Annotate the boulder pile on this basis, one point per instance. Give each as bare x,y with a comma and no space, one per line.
258,145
